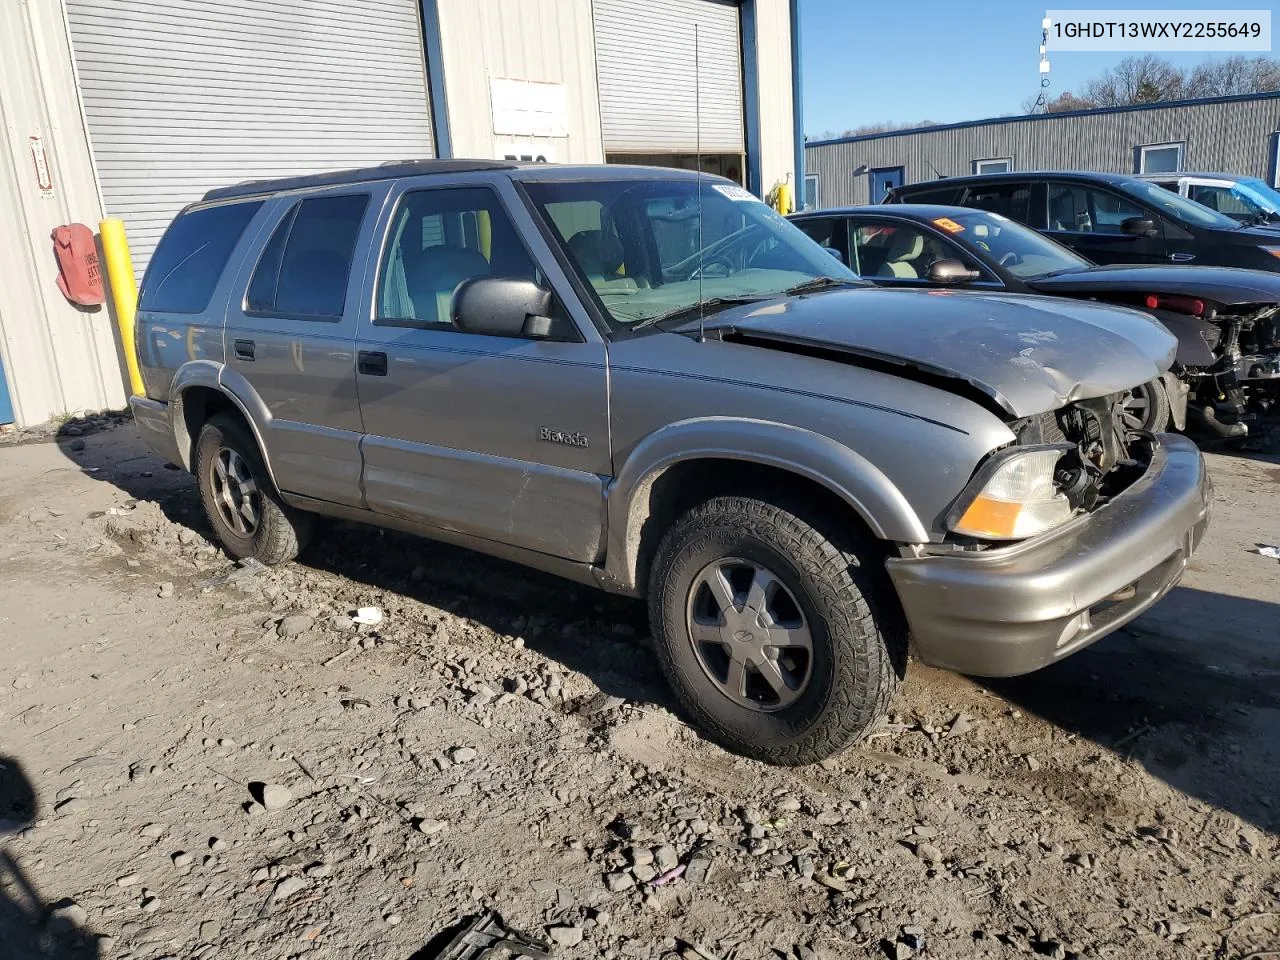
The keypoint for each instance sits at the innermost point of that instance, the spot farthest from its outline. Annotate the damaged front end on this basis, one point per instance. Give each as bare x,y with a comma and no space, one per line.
1229,356
1064,463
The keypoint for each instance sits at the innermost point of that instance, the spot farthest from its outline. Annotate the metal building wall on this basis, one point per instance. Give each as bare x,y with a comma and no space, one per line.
777,120
655,84
185,95
1235,135
548,41
58,358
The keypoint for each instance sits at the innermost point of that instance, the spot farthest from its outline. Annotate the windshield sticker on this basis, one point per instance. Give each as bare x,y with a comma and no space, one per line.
949,225
732,191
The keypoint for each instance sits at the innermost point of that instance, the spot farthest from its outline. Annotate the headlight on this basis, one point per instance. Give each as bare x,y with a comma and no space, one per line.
1274,251
1013,498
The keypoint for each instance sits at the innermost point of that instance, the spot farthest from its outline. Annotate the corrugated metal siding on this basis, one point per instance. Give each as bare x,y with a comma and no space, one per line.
648,88
549,41
184,95
1234,137
57,358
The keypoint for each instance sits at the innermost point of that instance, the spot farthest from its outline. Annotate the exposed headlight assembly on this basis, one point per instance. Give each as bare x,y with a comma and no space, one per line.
1013,496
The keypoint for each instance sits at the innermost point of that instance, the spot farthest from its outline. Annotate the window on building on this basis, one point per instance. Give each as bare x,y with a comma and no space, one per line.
305,267
1160,158
191,257
1074,208
441,238
810,191
993,165
1012,200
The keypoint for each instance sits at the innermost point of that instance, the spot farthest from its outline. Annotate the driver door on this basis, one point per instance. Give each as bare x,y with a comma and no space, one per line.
1088,220
504,438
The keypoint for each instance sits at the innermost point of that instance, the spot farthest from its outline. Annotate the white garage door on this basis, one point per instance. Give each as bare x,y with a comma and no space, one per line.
648,89
184,95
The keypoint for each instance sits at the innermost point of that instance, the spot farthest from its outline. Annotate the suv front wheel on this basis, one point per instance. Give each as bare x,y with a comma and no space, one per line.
772,630
239,498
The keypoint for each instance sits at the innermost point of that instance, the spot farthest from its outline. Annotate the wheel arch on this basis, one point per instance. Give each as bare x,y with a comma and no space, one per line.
687,462
202,389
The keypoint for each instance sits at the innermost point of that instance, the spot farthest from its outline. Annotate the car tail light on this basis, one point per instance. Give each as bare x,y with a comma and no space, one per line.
1188,305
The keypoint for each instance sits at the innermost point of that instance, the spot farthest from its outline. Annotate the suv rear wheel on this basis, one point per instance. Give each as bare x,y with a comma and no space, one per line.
771,630
242,504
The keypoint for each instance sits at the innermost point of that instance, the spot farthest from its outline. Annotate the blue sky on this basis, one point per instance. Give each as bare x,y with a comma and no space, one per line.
941,60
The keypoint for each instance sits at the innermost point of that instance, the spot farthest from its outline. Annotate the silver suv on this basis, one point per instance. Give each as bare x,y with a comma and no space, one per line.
648,381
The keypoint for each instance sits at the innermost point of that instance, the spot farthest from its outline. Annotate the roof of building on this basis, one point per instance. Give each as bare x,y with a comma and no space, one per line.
1097,111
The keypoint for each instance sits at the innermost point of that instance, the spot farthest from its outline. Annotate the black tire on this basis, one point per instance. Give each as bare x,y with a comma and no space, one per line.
279,531
859,649
1151,411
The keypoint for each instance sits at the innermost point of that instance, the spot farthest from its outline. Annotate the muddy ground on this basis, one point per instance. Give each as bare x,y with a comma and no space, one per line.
503,739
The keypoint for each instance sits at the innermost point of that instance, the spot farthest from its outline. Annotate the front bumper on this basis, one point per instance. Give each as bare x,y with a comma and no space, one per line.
1011,610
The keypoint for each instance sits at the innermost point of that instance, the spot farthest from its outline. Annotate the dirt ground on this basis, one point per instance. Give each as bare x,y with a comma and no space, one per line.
503,739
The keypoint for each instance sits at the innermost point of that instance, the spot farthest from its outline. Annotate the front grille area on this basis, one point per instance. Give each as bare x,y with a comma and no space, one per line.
1105,454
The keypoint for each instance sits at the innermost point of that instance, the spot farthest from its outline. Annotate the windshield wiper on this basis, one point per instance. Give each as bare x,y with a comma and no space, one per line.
693,309
818,283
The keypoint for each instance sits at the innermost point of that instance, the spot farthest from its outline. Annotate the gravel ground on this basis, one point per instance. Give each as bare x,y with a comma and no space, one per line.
193,770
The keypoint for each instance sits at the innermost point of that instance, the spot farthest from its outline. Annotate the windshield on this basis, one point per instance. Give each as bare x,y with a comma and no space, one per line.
1018,249
639,244
1176,207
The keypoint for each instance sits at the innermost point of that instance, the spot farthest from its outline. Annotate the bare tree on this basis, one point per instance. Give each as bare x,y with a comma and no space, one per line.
1144,79
1232,77
885,127
1060,104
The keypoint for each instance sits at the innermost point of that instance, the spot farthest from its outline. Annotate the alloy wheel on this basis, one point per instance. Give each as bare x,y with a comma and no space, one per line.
749,634
235,492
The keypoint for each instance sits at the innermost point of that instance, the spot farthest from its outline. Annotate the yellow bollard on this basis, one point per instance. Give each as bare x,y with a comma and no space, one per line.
124,294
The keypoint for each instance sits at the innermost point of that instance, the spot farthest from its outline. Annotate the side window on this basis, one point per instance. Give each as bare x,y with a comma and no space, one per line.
439,238
304,269
1223,199
191,257
897,251
1079,209
828,232
1012,200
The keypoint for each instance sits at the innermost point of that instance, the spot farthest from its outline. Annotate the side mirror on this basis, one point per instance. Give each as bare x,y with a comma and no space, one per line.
502,307
835,253
951,271
1138,227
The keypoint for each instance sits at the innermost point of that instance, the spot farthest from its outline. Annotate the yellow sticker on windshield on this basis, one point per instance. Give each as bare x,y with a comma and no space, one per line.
949,225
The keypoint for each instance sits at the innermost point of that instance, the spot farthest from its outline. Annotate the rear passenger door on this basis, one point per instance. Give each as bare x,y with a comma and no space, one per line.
290,340
505,438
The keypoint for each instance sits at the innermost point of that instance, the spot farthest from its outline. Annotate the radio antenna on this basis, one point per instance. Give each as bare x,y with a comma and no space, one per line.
697,122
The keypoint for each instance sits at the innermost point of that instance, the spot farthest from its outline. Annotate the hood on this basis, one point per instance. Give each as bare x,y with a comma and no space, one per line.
1227,285
1028,354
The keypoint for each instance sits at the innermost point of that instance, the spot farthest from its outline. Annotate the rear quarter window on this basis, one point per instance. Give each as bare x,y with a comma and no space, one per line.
304,269
192,254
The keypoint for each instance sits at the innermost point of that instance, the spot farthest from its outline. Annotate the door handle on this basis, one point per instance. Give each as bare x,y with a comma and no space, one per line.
244,349
1182,257
371,363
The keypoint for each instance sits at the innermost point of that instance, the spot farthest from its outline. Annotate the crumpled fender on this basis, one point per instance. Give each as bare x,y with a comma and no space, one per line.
853,478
